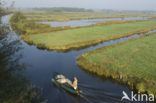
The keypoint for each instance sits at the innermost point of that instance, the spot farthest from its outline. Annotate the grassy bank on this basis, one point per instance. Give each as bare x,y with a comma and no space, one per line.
82,37
131,62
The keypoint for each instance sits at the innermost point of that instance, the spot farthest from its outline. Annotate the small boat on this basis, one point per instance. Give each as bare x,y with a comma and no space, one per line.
66,87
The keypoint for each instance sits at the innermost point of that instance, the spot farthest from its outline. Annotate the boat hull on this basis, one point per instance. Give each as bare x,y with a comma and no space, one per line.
63,86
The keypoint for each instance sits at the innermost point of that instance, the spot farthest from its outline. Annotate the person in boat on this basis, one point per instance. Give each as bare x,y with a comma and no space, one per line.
75,83
63,80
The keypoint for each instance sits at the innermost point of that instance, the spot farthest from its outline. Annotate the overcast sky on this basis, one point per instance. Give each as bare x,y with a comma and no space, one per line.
93,4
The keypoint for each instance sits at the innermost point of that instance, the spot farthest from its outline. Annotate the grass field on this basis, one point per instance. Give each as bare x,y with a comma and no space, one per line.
43,16
81,37
131,62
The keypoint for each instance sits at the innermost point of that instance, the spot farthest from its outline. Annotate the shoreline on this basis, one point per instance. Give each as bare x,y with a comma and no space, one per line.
100,71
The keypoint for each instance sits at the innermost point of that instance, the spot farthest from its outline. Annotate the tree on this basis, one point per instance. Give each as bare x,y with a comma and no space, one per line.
12,5
1,10
14,87
17,17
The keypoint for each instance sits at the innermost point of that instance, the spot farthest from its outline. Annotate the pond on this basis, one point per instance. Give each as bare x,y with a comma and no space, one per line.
40,65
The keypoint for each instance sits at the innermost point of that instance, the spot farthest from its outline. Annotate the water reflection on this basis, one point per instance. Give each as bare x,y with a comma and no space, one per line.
14,87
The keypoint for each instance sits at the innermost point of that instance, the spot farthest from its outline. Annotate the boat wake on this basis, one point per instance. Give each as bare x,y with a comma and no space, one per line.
96,95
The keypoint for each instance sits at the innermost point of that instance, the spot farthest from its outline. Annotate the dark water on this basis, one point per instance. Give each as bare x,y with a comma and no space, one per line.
40,64
75,23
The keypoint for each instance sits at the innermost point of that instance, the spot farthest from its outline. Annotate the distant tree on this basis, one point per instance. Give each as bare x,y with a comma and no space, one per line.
1,14
1,9
64,9
17,17
12,5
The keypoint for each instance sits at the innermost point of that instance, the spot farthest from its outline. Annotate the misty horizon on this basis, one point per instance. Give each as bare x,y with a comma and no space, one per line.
138,5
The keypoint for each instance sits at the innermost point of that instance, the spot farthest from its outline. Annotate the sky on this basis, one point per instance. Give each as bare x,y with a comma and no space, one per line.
90,4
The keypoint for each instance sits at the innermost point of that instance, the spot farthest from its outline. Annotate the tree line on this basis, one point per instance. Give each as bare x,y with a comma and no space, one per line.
63,9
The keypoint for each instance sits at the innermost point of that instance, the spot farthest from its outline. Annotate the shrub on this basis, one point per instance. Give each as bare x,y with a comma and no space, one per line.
23,26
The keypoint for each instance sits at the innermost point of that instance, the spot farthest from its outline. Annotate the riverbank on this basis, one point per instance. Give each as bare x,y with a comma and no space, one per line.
130,62
82,37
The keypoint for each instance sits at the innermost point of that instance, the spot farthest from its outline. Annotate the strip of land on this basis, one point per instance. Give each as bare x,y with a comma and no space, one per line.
82,37
66,16
131,62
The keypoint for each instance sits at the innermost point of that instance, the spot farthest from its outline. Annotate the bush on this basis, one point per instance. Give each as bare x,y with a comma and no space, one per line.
23,26
17,17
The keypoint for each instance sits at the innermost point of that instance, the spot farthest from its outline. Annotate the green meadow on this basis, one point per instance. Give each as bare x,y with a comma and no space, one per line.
81,37
131,62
